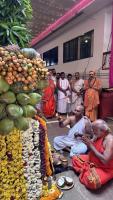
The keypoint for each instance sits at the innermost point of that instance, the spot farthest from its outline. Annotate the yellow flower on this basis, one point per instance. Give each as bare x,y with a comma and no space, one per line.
9,168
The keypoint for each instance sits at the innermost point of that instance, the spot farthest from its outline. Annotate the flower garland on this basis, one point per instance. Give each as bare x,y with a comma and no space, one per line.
42,121
3,167
45,149
42,150
22,156
31,157
12,180
53,193
47,157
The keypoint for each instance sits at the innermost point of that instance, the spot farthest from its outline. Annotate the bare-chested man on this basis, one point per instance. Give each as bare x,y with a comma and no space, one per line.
79,125
96,168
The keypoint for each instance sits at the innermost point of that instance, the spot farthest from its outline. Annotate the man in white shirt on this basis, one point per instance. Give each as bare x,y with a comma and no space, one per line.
63,94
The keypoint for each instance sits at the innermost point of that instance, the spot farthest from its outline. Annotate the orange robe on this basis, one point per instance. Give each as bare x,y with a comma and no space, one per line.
93,173
48,100
91,99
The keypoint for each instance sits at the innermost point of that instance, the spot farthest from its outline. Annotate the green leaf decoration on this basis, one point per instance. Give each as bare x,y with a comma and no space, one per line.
14,16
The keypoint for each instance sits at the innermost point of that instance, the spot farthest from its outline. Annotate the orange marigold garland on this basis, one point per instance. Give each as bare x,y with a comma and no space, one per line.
53,193
48,158
43,122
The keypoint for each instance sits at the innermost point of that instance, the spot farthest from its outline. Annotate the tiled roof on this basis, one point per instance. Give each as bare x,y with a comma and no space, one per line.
45,12
48,15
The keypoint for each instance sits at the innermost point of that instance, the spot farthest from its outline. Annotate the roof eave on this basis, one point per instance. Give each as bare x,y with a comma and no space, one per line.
62,20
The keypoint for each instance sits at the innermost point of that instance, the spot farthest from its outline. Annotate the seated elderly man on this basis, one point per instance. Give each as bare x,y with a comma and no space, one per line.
96,168
79,125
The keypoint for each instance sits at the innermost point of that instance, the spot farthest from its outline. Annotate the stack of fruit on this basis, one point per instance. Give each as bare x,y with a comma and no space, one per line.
22,72
22,68
15,109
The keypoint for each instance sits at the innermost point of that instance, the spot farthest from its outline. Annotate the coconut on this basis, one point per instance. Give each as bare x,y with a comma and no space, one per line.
4,86
23,99
34,98
14,111
30,53
8,97
29,111
42,84
6,126
2,111
22,123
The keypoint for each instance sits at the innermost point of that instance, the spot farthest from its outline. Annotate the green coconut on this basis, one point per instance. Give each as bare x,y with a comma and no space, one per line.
6,126
22,123
8,97
29,53
2,111
23,99
14,111
29,111
42,84
35,98
4,86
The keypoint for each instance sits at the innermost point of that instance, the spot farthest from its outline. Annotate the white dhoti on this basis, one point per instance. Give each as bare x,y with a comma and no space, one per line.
62,142
62,101
77,100
62,105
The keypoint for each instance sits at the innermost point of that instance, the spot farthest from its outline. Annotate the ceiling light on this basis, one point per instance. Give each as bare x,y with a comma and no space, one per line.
86,40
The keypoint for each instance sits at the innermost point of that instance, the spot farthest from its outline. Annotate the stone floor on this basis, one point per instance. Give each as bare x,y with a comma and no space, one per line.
79,192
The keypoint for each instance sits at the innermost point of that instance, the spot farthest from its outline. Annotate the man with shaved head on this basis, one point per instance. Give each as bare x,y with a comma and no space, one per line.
91,99
96,168
79,125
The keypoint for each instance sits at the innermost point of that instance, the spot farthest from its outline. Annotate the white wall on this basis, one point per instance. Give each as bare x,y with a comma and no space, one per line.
107,43
107,28
101,23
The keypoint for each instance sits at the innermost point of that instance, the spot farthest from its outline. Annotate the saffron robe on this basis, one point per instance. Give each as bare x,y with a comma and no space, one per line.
48,100
91,98
93,173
